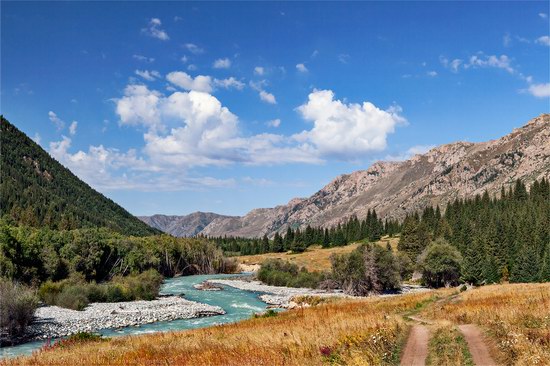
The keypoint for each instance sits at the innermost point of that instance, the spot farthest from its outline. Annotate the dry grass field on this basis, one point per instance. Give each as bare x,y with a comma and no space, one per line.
514,318
315,258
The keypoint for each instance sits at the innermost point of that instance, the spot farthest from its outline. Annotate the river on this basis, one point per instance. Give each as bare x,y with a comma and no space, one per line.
238,305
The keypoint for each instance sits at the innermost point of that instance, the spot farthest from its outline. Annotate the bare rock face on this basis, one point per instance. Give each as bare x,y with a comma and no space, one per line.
394,189
182,226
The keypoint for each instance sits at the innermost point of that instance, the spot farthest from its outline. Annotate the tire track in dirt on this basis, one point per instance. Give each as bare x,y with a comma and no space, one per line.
476,344
416,349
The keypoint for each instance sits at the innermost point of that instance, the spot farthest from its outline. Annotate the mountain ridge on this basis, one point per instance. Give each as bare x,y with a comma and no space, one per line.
36,190
446,172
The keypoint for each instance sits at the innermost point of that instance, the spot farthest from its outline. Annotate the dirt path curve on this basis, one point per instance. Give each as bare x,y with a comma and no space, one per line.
416,350
478,349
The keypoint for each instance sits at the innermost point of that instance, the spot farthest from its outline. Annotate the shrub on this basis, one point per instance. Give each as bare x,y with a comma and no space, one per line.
367,269
17,306
74,293
277,272
441,264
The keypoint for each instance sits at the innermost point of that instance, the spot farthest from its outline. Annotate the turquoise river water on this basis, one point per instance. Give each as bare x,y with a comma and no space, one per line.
238,305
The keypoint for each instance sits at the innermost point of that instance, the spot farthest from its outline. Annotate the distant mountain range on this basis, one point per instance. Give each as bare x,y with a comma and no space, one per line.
447,172
188,225
36,190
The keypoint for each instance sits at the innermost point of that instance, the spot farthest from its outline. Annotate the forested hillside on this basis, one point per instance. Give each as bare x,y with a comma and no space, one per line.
500,238
36,190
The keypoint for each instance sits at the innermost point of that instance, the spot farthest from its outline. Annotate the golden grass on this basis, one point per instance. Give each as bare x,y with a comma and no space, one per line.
516,317
353,332
315,258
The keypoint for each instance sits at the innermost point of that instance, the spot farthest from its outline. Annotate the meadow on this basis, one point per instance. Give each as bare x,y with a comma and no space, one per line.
367,331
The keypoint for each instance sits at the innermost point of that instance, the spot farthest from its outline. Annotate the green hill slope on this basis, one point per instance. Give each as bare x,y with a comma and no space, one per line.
38,191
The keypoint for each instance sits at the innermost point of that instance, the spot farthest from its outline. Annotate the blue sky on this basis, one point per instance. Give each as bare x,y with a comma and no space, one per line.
176,107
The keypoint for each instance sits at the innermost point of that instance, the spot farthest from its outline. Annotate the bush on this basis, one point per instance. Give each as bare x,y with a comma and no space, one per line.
74,293
367,269
277,272
17,306
441,264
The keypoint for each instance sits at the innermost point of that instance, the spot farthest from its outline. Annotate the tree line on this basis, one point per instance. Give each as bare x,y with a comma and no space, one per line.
371,228
504,238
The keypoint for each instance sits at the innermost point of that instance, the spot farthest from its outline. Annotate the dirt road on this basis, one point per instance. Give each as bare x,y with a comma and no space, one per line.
476,344
416,350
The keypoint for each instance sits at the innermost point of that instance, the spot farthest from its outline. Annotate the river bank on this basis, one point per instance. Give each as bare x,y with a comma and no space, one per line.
55,322
282,297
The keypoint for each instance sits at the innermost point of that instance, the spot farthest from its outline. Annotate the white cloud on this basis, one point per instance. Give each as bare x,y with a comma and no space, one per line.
259,70
192,67
506,40
481,60
193,129
544,40
267,97
344,58
452,65
58,122
153,30
222,63
143,58
72,128
229,83
274,123
184,59
185,81
432,73
346,131
314,54
540,90
193,48
139,106
301,68
543,15
148,75
264,95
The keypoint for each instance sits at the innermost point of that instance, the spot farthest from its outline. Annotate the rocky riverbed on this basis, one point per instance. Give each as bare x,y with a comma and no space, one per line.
277,296
282,297
53,321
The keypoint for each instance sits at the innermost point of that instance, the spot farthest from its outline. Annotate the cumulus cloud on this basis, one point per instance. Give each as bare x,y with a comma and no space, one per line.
148,75
539,90
346,130
229,83
72,128
153,30
267,97
259,70
187,82
544,40
543,15
222,63
186,129
193,48
432,73
58,122
264,95
274,123
301,68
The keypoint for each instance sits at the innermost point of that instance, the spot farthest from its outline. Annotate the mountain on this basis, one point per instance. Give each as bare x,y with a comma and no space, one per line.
447,172
38,191
182,226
